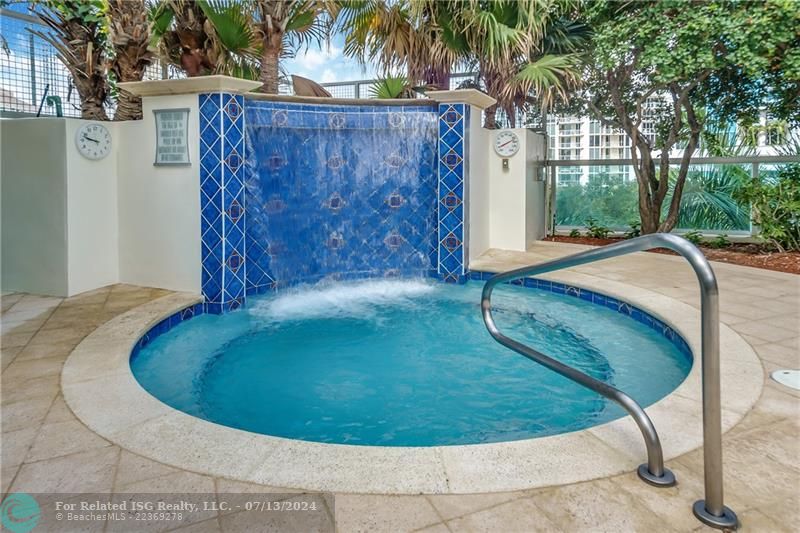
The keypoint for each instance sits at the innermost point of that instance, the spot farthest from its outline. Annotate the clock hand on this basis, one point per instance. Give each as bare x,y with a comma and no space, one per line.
505,143
90,139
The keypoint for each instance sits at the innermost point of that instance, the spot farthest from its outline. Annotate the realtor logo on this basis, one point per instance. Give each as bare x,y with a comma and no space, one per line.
20,513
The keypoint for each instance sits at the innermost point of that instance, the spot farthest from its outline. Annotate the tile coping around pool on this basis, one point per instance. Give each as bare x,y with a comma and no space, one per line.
101,390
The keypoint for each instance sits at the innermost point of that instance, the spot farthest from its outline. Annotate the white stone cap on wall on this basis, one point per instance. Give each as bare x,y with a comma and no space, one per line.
473,97
198,84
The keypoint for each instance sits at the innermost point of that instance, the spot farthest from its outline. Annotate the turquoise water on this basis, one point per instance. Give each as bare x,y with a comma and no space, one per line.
404,363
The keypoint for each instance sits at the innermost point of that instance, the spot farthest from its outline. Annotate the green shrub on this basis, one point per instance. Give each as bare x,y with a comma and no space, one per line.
595,230
720,242
775,207
635,231
608,199
575,233
694,237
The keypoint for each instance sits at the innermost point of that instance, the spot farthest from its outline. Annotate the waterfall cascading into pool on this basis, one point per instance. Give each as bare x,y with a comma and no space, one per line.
339,191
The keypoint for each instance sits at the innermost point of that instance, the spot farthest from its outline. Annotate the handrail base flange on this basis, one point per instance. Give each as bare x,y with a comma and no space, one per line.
665,480
728,520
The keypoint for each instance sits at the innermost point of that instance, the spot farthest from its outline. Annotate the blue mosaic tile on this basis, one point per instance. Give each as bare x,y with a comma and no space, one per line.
451,152
213,308
165,325
599,299
222,199
344,190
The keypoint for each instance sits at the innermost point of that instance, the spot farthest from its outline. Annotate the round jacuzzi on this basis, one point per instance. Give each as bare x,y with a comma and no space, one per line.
408,362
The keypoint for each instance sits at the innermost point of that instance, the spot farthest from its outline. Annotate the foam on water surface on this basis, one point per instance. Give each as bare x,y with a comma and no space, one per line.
331,299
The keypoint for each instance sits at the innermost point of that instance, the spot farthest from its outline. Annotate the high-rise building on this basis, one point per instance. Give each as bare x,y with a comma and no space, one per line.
573,138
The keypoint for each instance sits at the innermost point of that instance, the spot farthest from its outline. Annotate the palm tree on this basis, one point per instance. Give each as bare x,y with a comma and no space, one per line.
520,48
206,36
283,27
78,34
129,36
709,199
392,87
407,34
525,51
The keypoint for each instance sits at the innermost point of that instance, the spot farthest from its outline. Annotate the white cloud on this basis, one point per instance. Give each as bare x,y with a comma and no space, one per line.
312,59
328,76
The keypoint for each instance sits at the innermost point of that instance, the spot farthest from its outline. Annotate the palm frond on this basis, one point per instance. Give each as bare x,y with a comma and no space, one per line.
708,199
391,87
232,26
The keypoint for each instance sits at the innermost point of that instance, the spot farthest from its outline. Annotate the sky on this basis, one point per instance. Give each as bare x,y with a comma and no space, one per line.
322,63
326,64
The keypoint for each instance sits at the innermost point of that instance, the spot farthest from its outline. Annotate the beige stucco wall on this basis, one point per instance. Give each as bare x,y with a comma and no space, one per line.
506,206
92,227
478,238
34,206
70,224
159,207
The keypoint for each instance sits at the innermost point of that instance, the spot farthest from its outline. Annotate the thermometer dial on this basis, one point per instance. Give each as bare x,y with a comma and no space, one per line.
506,144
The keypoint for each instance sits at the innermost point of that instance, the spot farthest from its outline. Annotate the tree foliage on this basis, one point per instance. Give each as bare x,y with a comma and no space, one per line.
776,207
524,51
659,70
284,26
206,37
129,40
77,30
391,87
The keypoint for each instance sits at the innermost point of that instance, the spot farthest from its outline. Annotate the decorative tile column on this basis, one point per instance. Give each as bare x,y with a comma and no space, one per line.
222,200
452,265
456,110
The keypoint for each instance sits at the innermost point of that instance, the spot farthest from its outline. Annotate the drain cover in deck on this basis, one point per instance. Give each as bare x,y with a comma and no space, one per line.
790,378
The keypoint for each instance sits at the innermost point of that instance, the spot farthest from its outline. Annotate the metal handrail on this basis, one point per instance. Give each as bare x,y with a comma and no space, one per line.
712,510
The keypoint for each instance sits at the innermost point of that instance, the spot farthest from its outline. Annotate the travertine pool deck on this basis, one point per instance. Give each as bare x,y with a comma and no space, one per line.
46,448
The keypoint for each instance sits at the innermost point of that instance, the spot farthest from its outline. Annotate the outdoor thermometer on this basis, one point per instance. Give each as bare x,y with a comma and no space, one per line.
93,141
506,144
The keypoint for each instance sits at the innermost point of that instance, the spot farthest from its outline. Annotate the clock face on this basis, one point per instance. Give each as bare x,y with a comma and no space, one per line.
93,141
506,143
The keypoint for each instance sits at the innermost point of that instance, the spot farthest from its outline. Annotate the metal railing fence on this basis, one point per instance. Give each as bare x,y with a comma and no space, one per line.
606,191
30,70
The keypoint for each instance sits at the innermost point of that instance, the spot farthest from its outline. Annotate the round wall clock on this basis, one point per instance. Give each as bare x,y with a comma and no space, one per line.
93,141
506,143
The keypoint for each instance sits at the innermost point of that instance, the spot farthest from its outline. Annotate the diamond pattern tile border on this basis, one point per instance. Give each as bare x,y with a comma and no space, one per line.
453,177
222,201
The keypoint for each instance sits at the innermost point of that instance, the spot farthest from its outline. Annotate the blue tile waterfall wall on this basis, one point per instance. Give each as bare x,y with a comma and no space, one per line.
339,192
452,194
222,201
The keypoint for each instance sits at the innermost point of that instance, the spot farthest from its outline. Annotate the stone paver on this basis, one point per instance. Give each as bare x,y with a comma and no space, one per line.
45,448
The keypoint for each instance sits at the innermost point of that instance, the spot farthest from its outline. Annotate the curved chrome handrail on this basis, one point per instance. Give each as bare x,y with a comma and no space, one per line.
712,510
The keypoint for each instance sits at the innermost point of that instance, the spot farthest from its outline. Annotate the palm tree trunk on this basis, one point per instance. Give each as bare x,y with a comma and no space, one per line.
270,59
129,107
490,117
93,110
93,96
129,36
